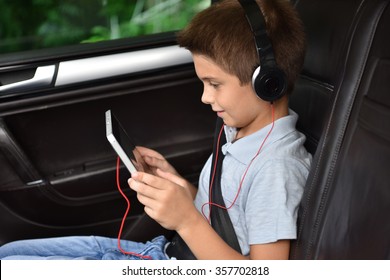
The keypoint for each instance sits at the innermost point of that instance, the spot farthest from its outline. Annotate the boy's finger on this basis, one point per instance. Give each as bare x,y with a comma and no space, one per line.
142,189
171,177
149,179
154,162
149,152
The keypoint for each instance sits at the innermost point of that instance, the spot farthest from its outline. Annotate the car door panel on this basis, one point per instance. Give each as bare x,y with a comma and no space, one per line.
58,170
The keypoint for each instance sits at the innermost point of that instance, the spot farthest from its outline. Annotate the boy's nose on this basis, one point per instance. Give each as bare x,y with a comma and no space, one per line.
207,97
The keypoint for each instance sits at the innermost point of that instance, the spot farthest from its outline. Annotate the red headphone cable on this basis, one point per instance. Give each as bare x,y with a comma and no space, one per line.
125,216
245,173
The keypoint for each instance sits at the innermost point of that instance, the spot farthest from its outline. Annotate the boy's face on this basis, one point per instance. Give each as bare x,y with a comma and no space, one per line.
238,105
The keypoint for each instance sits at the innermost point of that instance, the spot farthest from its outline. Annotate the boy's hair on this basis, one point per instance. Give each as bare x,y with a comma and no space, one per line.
222,33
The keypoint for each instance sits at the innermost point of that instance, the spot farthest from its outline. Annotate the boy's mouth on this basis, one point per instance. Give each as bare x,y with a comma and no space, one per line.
219,113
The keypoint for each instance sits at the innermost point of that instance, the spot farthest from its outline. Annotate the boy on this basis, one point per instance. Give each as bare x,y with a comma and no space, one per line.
265,165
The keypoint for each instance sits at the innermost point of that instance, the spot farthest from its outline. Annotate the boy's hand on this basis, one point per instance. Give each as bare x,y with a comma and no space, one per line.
156,161
166,198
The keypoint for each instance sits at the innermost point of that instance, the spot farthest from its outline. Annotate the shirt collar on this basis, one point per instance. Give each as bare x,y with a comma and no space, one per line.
245,149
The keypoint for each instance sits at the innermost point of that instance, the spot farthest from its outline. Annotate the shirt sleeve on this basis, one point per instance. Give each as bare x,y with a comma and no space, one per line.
202,194
273,200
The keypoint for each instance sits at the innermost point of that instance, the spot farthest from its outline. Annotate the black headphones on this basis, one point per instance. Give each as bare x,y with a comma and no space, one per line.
268,80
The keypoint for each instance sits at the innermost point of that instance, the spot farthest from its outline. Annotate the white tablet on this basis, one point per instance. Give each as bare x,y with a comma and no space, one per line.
122,145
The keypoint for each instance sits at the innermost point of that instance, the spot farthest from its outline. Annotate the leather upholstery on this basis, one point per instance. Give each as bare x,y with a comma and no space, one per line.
343,99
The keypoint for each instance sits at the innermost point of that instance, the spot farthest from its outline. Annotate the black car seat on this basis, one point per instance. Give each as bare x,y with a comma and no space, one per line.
343,99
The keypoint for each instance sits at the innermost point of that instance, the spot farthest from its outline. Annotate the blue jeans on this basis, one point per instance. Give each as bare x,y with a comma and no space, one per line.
82,247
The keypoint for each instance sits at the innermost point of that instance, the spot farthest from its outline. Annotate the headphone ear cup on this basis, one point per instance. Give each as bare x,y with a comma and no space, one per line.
269,83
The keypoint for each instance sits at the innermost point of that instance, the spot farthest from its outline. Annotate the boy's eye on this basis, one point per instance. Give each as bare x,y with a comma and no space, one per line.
214,85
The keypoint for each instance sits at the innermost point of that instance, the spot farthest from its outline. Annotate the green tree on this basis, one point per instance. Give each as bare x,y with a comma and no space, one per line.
37,24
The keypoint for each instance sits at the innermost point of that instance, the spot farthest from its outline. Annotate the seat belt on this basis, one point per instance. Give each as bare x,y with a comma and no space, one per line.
220,220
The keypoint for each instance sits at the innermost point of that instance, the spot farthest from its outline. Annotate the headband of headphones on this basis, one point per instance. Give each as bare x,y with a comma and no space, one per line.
268,80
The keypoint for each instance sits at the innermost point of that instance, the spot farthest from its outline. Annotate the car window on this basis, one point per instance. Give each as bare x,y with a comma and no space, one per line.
52,23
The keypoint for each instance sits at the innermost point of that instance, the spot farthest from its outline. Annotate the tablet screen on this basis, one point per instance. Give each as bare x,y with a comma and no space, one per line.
127,145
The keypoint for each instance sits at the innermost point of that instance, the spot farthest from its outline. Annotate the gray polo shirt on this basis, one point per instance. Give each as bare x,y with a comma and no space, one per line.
266,208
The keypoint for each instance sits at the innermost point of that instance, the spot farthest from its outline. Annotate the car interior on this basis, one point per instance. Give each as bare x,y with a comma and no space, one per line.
57,170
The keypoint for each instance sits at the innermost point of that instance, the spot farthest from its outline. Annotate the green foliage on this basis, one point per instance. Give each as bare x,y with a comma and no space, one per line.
37,24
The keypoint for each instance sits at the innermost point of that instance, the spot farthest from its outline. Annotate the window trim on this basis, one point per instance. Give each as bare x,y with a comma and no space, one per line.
95,68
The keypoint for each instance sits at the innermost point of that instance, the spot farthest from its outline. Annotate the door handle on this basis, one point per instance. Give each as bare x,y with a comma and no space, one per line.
43,77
